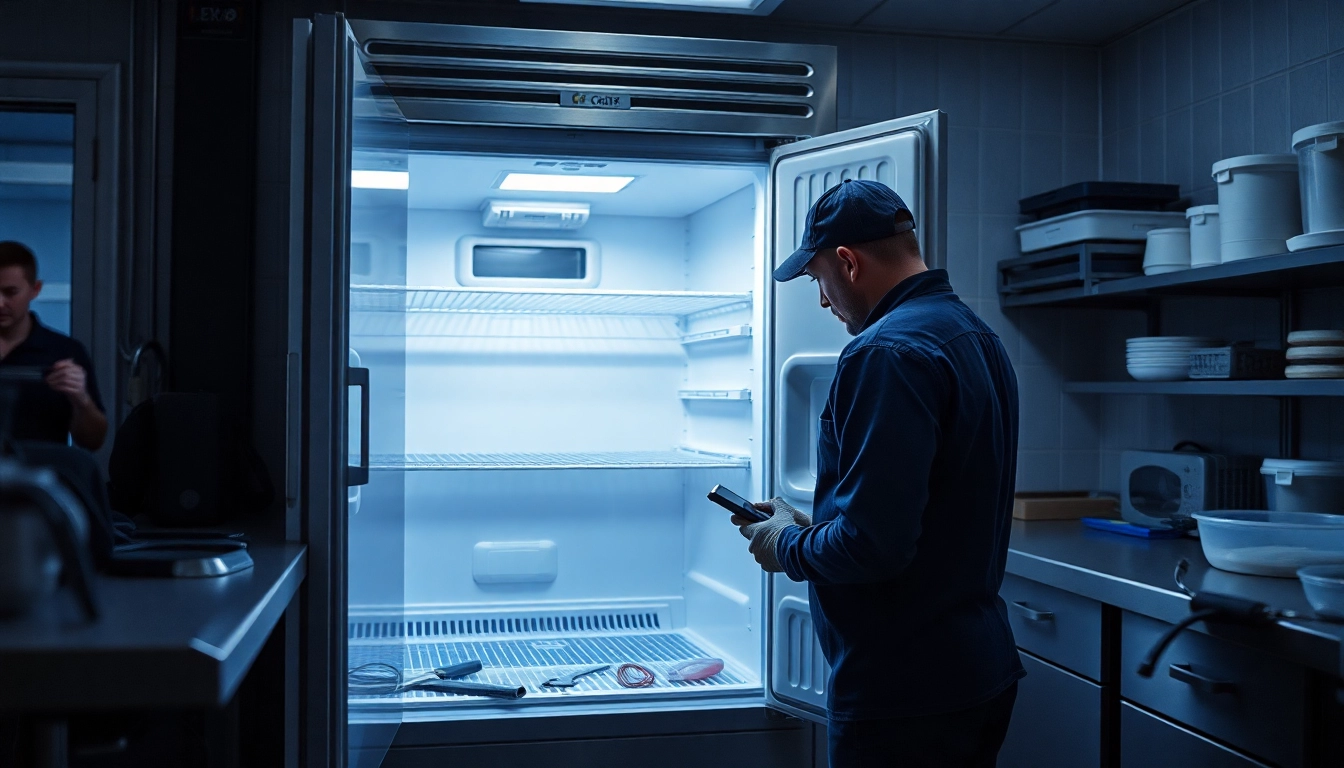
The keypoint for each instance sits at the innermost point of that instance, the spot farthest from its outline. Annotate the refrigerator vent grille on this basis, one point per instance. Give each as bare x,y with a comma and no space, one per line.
530,663
531,77
535,624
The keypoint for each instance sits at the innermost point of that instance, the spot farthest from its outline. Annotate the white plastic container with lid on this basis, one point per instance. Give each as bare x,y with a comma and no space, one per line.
1292,485
1168,250
1320,161
1206,244
1259,205
1083,226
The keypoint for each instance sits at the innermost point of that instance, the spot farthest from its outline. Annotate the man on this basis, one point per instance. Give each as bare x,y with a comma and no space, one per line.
58,395
916,459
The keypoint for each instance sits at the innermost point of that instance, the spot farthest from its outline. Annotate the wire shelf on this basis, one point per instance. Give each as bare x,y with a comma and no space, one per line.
394,298
679,458
530,663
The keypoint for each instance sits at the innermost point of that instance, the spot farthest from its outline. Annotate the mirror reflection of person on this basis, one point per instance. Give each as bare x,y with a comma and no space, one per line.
64,403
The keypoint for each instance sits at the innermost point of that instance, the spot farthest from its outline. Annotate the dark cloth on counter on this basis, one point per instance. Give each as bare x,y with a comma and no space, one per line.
969,738
916,462
42,413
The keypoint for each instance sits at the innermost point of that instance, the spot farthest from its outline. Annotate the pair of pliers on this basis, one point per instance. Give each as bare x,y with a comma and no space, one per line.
572,679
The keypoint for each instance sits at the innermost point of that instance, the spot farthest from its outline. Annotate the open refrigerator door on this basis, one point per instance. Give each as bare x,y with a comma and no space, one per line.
905,154
350,391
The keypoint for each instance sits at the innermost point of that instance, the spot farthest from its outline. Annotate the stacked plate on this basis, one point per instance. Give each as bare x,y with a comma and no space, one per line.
1163,358
1315,355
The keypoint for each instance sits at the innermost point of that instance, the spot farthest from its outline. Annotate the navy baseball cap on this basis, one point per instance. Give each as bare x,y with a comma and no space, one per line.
853,211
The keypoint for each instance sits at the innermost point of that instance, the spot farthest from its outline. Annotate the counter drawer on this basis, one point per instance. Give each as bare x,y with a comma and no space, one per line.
1147,740
1253,701
1056,720
1060,627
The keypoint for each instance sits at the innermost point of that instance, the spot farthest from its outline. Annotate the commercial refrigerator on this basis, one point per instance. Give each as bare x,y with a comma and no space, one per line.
530,333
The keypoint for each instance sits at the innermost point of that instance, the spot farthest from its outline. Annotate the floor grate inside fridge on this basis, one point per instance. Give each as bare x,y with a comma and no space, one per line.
530,662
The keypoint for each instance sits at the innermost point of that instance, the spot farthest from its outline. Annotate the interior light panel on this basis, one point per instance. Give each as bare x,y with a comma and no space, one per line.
557,182
380,179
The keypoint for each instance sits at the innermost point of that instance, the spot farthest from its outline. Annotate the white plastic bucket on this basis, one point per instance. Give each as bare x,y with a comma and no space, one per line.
1167,250
1258,205
1206,243
1304,486
1320,160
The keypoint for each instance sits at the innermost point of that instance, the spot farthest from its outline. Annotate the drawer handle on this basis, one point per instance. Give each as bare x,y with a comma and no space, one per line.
1186,675
1031,614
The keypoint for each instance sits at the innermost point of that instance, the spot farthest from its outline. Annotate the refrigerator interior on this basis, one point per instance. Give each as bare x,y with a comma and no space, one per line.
565,398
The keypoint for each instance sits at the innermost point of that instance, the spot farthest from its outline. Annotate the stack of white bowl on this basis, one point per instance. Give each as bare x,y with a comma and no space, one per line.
1163,358
1315,355
1167,250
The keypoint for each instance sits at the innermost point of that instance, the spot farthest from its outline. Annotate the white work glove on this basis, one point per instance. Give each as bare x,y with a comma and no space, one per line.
764,536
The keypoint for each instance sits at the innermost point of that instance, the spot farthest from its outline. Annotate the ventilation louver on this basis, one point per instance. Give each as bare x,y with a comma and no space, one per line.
529,77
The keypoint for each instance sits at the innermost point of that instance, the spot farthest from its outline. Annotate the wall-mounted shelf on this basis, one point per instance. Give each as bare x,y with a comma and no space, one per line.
677,458
1266,388
736,332
541,301
715,394
1264,276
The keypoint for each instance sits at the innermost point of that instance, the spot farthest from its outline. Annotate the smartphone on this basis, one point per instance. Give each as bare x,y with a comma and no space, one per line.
736,504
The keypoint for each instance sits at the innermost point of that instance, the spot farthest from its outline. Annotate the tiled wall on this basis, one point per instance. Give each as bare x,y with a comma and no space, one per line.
1023,119
1216,79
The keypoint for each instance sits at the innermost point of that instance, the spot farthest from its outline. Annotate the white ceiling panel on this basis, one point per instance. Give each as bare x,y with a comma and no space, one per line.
976,17
462,183
829,12
1092,21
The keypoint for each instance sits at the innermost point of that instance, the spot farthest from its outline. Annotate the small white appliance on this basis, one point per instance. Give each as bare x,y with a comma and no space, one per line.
1162,489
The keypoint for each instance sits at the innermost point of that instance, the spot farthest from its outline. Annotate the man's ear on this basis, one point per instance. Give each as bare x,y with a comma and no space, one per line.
37,289
848,260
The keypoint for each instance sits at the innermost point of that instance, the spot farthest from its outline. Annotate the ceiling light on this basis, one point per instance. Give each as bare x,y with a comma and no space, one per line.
558,182
380,179
757,7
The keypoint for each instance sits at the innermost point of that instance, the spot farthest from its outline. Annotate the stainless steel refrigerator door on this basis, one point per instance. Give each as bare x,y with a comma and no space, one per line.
352,519
806,340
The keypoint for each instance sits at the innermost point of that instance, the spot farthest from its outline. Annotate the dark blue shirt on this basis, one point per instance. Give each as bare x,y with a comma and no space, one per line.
916,461
42,413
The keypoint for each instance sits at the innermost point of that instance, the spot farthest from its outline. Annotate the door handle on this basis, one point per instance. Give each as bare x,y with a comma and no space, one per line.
359,475
1190,677
1031,614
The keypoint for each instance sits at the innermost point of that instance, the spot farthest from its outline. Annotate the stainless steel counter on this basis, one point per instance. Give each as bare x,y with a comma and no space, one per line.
160,642
1136,575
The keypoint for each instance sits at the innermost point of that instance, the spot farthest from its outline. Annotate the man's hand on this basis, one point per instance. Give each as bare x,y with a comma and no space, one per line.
70,380
765,535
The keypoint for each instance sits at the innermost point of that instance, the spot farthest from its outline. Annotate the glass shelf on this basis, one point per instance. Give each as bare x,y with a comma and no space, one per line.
541,301
677,458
